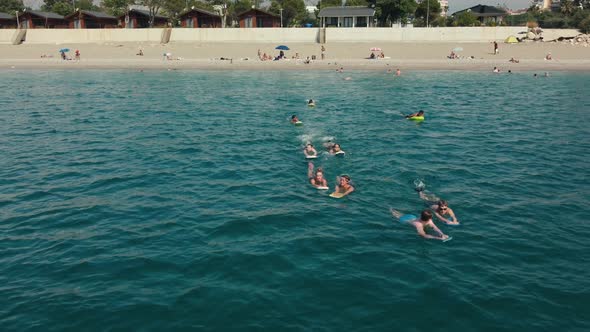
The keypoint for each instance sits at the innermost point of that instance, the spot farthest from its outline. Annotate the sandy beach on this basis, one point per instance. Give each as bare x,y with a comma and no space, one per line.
404,55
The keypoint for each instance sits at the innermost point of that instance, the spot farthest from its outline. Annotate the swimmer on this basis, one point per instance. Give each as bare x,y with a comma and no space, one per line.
329,145
317,179
344,187
310,103
420,113
335,149
294,119
420,187
309,150
398,72
422,224
441,210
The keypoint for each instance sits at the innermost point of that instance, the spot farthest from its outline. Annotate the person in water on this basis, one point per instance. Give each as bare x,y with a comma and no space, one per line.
329,145
294,119
420,113
316,179
343,187
444,213
335,149
309,150
310,102
423,224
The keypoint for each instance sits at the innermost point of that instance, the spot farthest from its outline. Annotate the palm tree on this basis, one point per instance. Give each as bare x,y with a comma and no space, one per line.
567,7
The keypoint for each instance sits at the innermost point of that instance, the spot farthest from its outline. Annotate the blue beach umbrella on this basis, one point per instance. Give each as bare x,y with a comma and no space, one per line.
282,47
64,50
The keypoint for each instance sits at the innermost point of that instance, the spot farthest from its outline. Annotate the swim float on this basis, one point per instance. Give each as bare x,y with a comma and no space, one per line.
416,118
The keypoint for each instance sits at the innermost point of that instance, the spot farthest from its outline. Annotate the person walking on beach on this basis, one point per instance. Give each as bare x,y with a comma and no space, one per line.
422,224
77,54
496,50
323,52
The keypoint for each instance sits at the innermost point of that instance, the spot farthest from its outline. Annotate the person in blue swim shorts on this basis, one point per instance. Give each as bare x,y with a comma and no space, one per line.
422,224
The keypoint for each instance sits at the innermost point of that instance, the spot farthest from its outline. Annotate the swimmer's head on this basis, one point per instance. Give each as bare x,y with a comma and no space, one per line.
420,113
345,178
293,116
425,215
309,145
442,203
336,147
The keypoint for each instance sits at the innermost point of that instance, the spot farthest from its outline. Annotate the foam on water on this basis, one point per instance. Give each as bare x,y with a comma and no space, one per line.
179,200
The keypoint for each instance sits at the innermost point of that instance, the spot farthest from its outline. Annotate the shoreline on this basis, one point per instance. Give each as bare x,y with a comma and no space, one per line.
204,56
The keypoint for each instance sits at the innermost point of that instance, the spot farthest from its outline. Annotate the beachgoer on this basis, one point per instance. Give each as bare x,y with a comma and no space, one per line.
389,70
509,71
63,55
549,56
307,60
422,224
344,187
335,149
453,55
513,60
323,52
372,56
496,50
398,72
444,213
317,179
259,54
546,74
140,53
382,55
310,102
77,54
419,113
420,187
328,145
281,54
294,119
496,70
535,75
309,150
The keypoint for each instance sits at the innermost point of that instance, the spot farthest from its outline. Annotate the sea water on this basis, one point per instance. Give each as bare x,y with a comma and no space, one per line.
179,200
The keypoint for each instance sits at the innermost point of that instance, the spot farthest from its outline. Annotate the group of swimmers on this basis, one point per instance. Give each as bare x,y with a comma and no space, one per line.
316,176
424,224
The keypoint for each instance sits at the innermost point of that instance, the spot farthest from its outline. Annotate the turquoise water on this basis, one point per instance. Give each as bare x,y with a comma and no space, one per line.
169,200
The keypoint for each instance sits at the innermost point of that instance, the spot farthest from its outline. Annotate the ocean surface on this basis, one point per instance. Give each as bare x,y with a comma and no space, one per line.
179,200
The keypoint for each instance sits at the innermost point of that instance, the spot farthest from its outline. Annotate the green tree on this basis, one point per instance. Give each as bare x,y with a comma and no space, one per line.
428,7
86,5
11,6
153,7
115,7
294,12
584,25
466,19
62,8
389,11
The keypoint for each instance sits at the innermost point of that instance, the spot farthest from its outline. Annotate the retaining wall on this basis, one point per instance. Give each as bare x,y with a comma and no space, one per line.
276,35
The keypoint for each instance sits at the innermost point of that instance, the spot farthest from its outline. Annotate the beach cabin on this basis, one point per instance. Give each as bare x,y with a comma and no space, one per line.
137,19
346,17
256,18
199,18
486,14
32,19
87,19
7,21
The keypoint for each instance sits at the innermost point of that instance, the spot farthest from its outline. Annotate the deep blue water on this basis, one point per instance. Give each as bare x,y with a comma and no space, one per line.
178,200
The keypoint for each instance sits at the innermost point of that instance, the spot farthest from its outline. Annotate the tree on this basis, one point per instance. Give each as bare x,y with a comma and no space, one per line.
390,11
566,7
428,7
62,8
466,19
294,12
115,7
238,7
153,7
11,6
584,25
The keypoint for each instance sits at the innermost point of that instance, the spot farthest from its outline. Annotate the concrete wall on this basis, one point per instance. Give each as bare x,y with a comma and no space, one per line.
451,34
48,36
246,35
6,36
276,35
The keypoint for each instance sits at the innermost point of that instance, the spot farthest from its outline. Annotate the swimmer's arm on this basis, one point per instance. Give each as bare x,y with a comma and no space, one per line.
453,219
351,189
442,235
422,233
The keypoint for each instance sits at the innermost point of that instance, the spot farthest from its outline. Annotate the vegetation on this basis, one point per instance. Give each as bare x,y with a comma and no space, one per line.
65,7
11,6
